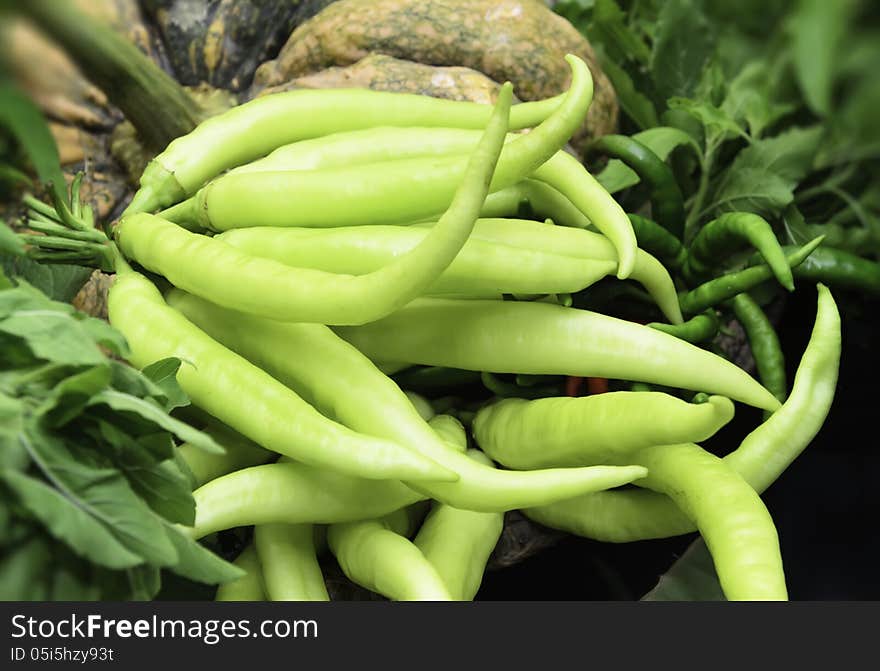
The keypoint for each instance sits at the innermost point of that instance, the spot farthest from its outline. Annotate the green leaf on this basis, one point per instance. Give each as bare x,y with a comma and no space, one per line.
24,120
70,524
763,176
662,140
164,488
164,374
121,402
12,454
60,282
691,578
718,124
817,29
23,567
105,335
683,44
102,492
72,395
10,243
750,99
198,563
636,105
53,336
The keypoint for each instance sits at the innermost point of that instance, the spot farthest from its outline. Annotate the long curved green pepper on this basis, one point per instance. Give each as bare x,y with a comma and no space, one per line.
604,428
255,128
481,267
388,192
289,562
271,415
344,384
728,513
249,587
540,338
667,201
722,235
656,240
634,515
727,286
374,556
537,199
763,342
566,241
458,543
290,493
839,268
449,429
239,452
221,273
697,329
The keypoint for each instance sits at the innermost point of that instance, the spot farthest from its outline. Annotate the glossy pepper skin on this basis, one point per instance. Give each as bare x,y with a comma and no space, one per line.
342,383
256,285
540,338
633,515
604,428
216,379
254,129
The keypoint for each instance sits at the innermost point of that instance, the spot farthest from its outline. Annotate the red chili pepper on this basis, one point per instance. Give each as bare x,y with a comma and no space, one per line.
597,385
573,385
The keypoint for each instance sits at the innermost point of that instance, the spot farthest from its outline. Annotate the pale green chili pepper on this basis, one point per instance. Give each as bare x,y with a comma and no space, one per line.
481,267
245,398
223,274
343,384
289,562
374,556
249,587
239,452
604,428
634,515
458,543
540,338
257,127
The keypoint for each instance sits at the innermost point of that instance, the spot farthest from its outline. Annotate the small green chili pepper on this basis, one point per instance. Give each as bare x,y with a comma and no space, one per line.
597,429
720,236
763,342
727,286
667,202
839,268
697,329
656,240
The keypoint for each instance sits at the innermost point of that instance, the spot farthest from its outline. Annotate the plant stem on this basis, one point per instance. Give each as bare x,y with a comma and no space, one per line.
700,195
158,107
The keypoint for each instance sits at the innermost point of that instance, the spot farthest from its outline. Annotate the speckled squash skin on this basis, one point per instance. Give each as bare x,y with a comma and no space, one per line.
385,73
522,41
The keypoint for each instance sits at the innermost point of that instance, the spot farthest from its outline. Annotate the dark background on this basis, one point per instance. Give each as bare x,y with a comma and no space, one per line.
826,505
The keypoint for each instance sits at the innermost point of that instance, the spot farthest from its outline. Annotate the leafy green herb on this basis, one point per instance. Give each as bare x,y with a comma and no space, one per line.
91,484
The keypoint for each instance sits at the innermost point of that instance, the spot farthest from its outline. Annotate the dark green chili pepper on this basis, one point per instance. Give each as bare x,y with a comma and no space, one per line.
700,328
656,240
720,236
764,343
667,202
504,389
727,286
855,239
841,269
